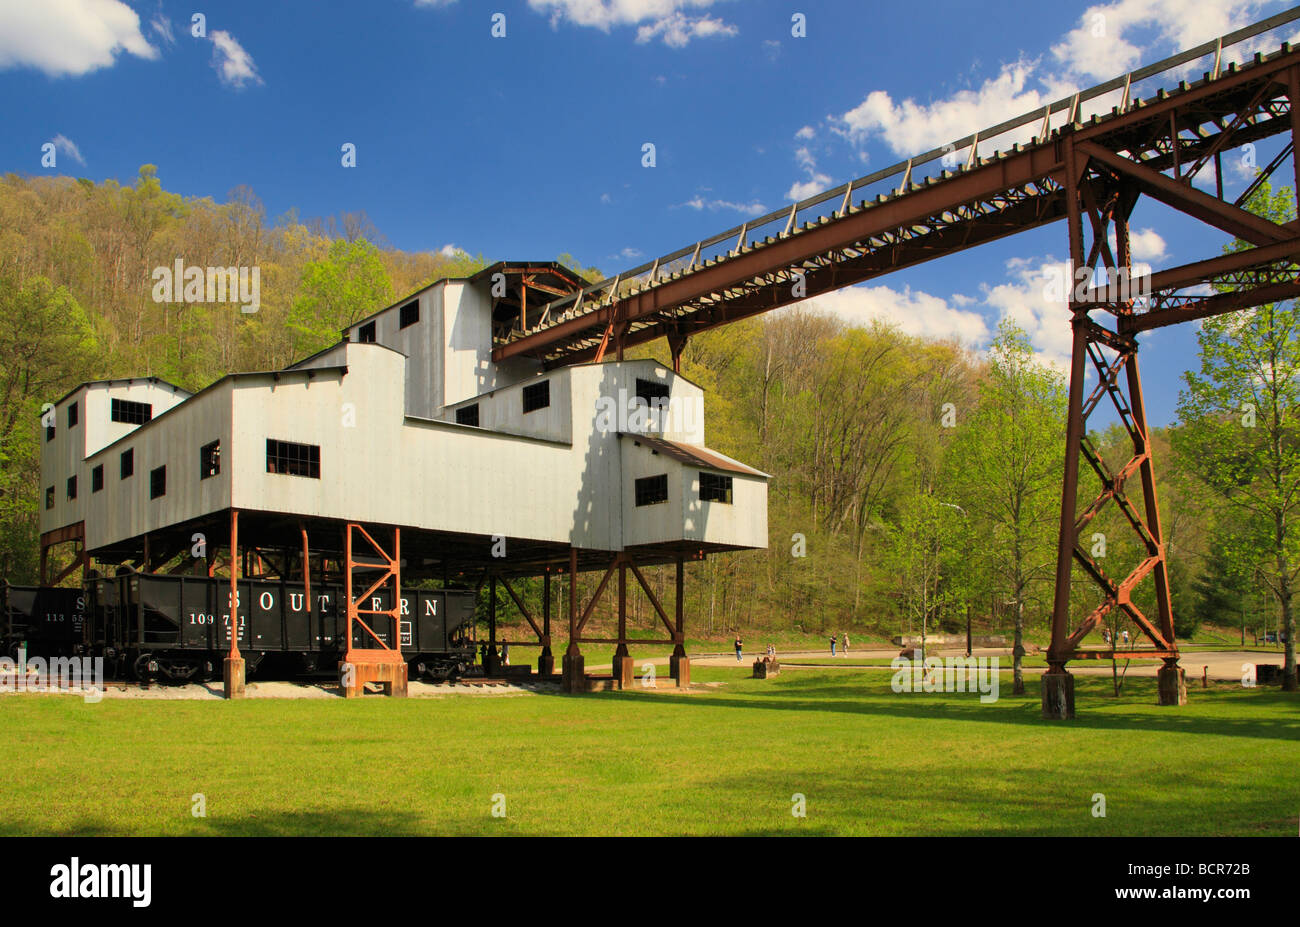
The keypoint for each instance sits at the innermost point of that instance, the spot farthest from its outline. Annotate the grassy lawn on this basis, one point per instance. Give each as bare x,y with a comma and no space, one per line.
725,760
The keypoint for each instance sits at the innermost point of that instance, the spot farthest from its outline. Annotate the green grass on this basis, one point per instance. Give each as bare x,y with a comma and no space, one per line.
725,760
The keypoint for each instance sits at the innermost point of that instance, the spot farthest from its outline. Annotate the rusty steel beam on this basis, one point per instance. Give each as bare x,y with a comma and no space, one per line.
1187,199
934,204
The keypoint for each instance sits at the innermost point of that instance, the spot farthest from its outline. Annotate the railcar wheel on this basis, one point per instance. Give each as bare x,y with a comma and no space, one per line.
144,668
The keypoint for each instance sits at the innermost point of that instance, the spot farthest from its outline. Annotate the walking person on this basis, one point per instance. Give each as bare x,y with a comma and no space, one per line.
739,645
1126,637
846,643
832,645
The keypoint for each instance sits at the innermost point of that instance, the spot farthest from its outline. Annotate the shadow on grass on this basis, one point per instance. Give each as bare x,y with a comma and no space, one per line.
336,822
1096,707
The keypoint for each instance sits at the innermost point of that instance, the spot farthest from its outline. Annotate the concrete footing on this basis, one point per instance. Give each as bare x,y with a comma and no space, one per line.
679,667
574,673
1171,682
233,676
623,670
391,677
1058,696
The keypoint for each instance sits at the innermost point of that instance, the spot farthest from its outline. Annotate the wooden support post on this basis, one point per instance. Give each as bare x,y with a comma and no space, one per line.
492,665
574,671
234,669
622,662
679,663
546,661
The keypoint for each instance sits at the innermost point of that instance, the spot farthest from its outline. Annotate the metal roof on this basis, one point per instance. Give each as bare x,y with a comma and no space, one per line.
692,455
155,380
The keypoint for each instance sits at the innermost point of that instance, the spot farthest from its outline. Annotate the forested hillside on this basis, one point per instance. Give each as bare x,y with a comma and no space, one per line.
913,483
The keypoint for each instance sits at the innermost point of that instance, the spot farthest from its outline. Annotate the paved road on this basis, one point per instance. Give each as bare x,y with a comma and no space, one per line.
1219,665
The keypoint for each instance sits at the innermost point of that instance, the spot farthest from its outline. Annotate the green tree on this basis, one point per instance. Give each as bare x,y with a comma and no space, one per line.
47,346
1006,461
1241,432
347,284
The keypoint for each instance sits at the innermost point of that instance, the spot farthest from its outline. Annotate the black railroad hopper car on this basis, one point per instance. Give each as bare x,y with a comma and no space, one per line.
177,628
50,620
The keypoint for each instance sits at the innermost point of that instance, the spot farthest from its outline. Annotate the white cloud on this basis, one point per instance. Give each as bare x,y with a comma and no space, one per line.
805,133
1146,245
69,37
915,312
162,27
233,65
1130,32
750,209
816,181
606,198
678,29
908,127
452,251
629,252
68,147
1034,298
663,19
1103,44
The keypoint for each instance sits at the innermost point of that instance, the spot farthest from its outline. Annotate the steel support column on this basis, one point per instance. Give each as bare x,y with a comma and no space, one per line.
233,669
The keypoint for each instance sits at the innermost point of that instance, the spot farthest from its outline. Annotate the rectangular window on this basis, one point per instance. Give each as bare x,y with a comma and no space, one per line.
410,314
49,432
158,482
537,396
128,463
651,391
97,478
49,497
467,415
292,459
72,415
130,413
715,488
72,487
366,333
652,490
209,460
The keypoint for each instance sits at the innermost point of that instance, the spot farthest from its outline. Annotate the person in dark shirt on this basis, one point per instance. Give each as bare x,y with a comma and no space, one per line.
833,640
739,645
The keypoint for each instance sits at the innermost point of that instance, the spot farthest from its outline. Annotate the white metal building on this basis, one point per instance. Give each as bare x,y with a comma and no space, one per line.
406,422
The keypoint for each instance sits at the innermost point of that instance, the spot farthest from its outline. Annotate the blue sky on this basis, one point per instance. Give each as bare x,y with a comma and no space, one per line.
530,145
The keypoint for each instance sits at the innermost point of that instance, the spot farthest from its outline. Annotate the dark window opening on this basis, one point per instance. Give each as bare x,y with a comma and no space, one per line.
130,413
72,415
97,478
410,314
651,490
653,392
537,396
467,415
292,459
128,463
209,460
49,431
49,497
366,333
158,482
72,487
715,488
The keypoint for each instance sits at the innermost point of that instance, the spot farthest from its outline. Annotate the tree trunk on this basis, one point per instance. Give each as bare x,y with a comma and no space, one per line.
1289,680
1017,671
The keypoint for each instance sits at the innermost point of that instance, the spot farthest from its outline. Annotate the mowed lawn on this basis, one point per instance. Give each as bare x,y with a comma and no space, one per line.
727,760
